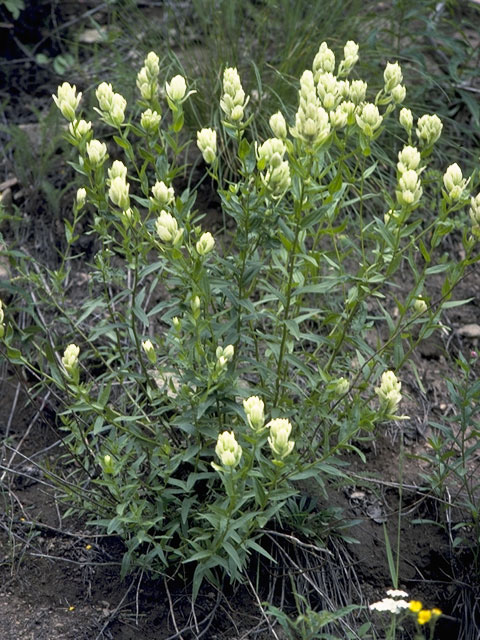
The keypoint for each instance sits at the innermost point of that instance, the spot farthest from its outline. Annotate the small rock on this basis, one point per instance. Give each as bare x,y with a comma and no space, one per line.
469,331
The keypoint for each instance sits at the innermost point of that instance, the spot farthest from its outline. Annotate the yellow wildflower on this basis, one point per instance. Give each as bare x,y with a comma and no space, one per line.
424,615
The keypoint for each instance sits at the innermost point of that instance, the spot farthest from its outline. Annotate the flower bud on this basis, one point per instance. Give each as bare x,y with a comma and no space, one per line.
207,143
254,410
389,393
369,119
177,324
339,117
311,120
223,355
152,64
406,119
149,350
162,195
176,89
118,193
147,77
270,150
228,450
409,189
67,100
392,76
70,358
279,442
221,363
474,212
150,121
278,125
328,91
237,113
429,129
398,93
97,152
104,95
81,197
454,182
350,57
117,110
348,107
233,100
167,228
117,170
324,61
277,179
357,91
195,306
127,215
341,386
108,465
79,128
205,244
419,305
228,351
408,158
148,88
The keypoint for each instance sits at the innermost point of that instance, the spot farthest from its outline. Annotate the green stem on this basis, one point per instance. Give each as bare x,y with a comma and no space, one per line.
291,268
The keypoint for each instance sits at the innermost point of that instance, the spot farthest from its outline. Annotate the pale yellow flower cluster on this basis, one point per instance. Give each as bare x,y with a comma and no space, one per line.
233,101
389,393
70,358
67,100
96,152
254,410
150,121
149,351
230,452
327,102
176,88
224,355
276,176
147,77
205,243
409,188
429,129
280,444
80,129
312,125
393,78
167,229
119,187
207,143
454,182
112,105
228,449
475,214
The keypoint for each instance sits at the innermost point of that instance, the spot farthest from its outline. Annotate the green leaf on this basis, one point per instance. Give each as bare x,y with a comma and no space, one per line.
423,251
178,121
251,544
243,149
336,183
141,315
456,303
232,552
